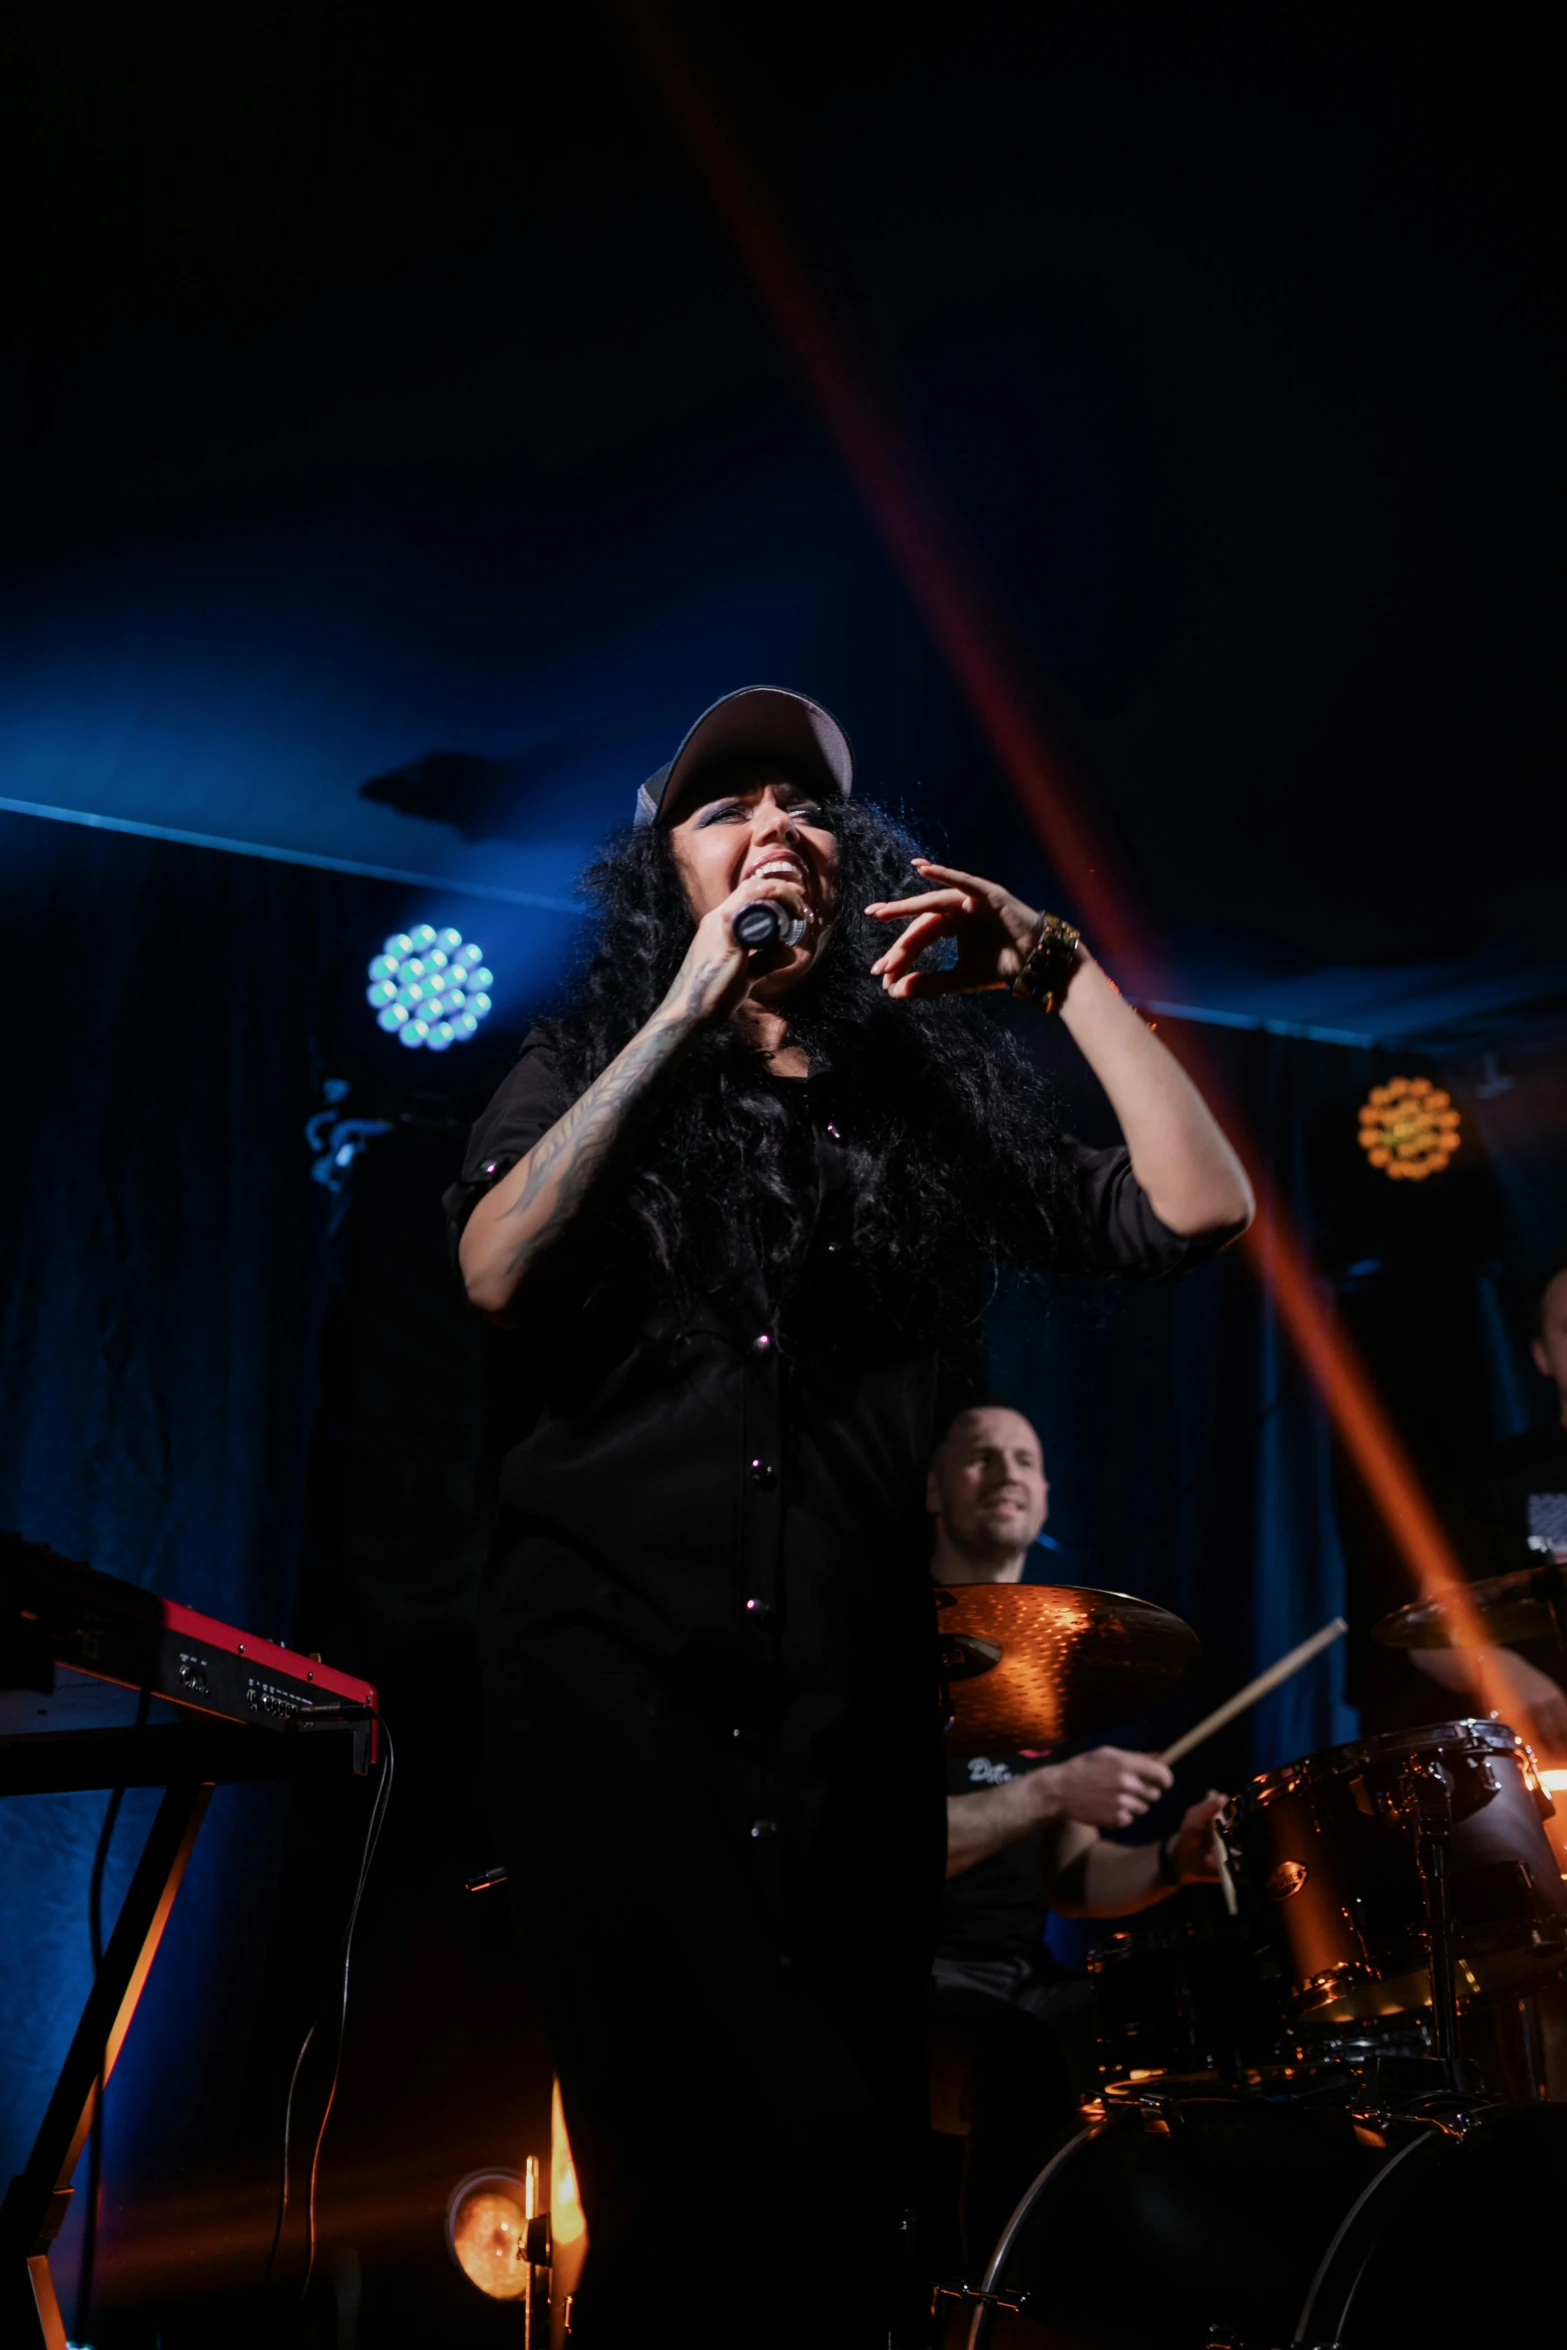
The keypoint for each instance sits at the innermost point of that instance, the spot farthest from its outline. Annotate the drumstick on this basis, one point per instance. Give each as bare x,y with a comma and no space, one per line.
1255,1689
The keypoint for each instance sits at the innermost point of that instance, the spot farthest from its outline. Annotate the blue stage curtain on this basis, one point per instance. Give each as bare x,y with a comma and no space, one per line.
162,1269
1188,1455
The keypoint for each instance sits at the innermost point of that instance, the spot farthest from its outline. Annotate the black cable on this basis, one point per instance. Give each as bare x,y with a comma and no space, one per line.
100,1863
282,2196
373,1829
372,1839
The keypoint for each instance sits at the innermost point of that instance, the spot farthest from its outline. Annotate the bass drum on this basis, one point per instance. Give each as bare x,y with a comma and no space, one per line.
1158,2224
1219,2224
1451,2245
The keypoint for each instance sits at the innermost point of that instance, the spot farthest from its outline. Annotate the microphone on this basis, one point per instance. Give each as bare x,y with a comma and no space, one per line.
764,923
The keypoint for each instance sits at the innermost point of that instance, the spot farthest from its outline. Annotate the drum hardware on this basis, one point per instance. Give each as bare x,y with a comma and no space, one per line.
1268,2225
1498,2173
960,1657
964,1655
1343,2264
1396,2089
954,2294
1402,1837
1186,2000
1159,2112
1331,1987
1194,2221
1286,2117
538,2253
1430,1798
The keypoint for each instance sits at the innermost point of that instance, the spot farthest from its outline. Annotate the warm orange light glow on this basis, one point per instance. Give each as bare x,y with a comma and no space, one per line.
1409,1128
486,2228
568,2224
1555,1786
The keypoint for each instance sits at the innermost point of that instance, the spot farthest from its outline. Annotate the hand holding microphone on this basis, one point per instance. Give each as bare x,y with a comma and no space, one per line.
735,943
765,923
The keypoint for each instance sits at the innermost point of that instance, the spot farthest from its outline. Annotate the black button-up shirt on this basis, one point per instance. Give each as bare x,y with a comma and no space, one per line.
711,1705
736,1494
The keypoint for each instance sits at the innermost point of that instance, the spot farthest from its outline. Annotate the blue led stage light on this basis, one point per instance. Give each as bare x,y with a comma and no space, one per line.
428,987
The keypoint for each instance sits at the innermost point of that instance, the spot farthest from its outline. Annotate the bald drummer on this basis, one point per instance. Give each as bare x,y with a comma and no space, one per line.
1024,1836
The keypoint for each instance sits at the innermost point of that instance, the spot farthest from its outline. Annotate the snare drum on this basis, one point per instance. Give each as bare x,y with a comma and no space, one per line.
1328,1856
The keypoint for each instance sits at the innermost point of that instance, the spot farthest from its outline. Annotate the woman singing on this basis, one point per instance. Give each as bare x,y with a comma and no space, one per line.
741,1211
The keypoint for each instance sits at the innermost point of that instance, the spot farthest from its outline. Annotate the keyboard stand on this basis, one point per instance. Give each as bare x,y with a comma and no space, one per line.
187,1764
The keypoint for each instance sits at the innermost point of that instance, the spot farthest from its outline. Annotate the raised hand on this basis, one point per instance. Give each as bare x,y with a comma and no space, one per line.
993,929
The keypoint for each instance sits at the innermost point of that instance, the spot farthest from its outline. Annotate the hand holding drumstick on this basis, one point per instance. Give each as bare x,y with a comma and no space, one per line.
1216,1869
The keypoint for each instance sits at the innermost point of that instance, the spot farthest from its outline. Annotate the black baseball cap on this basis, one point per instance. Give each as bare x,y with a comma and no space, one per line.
756,722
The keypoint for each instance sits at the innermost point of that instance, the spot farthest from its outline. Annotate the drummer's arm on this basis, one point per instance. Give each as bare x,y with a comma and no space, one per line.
1108,1786
1103,1880
1098,1879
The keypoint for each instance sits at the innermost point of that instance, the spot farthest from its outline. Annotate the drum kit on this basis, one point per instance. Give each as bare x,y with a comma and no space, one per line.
1294,2146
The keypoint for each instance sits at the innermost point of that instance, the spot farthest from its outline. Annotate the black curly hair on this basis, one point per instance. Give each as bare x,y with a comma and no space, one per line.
953,1147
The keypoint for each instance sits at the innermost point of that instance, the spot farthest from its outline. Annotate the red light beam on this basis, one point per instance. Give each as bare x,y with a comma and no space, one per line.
945,583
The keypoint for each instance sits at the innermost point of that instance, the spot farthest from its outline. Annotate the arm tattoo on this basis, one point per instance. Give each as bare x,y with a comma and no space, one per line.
700,981
564,1164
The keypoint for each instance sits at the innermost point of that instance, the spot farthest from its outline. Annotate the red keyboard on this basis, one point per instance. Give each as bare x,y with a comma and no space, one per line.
57,1614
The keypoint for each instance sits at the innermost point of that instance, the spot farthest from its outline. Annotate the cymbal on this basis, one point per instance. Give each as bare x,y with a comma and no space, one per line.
1528,1605
1031,1664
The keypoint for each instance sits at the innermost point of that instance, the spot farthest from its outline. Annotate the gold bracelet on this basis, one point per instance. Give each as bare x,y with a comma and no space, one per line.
1049,964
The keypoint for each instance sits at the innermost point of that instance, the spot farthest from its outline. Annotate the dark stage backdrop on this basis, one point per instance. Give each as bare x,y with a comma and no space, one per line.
208,1391
1189,1458
165,1265
162,1278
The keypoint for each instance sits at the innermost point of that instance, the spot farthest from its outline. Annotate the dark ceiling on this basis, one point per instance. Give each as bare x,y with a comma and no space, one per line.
1232,335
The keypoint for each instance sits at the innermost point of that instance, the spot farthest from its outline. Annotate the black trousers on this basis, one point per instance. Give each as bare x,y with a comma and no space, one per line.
740,2048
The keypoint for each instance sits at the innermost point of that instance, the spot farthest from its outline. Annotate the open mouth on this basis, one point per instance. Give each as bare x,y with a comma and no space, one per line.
779,869
785,868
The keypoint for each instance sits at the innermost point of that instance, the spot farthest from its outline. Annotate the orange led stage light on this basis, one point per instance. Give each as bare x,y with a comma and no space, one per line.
1409,1128
945,579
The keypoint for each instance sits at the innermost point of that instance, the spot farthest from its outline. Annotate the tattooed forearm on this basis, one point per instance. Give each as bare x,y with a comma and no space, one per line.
701,985
526,1214
563,1166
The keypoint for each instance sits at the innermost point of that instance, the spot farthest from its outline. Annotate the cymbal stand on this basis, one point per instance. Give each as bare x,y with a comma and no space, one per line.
538,2251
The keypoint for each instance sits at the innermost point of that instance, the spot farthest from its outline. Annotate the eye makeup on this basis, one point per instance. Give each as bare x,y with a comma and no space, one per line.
805,812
